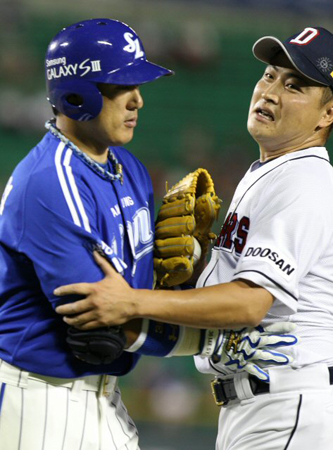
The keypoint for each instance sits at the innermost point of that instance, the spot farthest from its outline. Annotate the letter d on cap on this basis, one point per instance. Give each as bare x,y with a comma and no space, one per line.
305,37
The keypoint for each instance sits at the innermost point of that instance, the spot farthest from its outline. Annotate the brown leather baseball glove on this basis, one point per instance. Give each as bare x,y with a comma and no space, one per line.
188,211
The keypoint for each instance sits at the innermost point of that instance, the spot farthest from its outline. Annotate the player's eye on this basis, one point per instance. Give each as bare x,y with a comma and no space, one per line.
293,86
268,76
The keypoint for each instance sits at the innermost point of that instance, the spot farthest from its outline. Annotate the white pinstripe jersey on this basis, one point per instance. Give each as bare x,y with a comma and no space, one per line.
278,233
55,208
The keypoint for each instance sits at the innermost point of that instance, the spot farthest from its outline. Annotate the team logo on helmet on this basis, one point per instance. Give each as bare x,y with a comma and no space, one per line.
133,46
324,64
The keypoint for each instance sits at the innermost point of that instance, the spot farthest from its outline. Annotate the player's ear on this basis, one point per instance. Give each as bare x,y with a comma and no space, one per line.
327,117
329,113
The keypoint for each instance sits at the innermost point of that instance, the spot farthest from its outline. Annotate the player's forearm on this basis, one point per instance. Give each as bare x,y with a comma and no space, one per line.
228,305
112,301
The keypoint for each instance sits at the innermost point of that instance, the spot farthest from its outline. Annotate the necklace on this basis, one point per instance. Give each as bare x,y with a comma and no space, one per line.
97,168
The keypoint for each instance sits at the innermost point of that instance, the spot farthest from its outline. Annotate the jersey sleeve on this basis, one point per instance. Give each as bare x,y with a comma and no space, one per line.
289,232
60,232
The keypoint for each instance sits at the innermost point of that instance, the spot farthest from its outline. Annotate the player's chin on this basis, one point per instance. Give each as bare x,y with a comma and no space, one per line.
123,138
260,130
251,126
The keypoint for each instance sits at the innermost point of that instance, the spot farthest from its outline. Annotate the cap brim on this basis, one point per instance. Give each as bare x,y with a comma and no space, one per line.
140,72
267,47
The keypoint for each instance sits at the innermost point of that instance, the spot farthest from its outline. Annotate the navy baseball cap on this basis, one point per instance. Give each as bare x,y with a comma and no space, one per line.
310,52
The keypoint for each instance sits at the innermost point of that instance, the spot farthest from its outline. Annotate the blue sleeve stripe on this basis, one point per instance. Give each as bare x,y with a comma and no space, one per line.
69,188
64,186
75,190
2,394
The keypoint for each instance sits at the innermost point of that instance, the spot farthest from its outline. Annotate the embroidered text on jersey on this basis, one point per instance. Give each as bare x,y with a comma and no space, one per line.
118,263
140,235
233,234
271,256
125,203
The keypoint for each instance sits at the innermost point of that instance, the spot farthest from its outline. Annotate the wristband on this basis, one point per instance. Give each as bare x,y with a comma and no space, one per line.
211,339
165,340
156,339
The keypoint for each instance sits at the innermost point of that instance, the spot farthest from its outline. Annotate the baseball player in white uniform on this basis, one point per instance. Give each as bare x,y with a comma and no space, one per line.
272,261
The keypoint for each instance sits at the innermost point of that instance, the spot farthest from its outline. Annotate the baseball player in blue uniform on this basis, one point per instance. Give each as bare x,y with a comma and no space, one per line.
272,261
78,191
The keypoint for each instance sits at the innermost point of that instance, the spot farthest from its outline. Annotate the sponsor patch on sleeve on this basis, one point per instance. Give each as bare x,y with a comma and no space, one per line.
265,254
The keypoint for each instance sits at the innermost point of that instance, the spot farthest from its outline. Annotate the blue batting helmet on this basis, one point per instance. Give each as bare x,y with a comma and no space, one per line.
91,52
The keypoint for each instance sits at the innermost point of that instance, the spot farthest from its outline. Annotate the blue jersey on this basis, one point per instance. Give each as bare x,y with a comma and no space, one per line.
54,209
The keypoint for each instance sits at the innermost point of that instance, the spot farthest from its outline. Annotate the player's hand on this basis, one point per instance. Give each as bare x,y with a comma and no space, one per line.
110,301
254,349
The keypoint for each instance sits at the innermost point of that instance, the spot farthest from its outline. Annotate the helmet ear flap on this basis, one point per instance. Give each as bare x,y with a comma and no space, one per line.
77,99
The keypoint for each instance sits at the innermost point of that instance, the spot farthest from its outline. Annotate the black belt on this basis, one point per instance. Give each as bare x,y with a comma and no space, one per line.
224,390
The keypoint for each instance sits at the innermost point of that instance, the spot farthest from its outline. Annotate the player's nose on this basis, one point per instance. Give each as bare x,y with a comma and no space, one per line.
271,93
137,100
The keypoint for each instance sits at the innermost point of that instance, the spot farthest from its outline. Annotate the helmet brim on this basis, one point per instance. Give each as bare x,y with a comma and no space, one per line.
140,72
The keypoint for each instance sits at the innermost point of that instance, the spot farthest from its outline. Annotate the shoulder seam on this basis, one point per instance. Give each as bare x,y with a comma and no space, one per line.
284,162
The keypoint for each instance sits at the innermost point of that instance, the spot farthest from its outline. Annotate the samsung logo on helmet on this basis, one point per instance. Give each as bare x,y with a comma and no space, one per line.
54,62
74,69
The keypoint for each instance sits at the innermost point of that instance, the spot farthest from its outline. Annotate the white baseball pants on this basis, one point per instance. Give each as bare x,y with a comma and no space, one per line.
47,413
296,414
